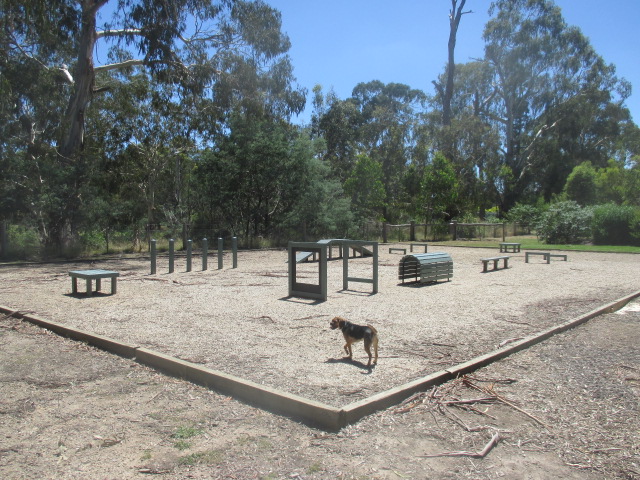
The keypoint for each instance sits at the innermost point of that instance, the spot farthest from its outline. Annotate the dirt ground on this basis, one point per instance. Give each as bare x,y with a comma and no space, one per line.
566,408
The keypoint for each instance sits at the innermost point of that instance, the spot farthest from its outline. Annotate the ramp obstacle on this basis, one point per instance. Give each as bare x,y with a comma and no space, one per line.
338,242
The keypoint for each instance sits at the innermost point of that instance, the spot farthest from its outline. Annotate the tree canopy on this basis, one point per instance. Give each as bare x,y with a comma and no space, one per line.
121,114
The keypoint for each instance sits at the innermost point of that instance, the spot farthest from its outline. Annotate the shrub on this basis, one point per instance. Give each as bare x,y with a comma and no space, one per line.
524,214
581,184
565,223
616,225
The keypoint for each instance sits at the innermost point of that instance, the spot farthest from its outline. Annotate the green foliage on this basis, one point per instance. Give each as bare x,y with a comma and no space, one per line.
322,209
366,188
557,104
581,185
612,184
565,222
616,225
253,179
439,189
524,214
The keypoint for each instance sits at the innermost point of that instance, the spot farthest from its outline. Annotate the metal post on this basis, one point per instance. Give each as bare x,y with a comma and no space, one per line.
220,252
234,248
345,269
4,241
189,246
375,267
171,253
205,247
153,257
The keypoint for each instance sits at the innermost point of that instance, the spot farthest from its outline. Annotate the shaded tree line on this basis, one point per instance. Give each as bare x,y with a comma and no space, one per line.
187,119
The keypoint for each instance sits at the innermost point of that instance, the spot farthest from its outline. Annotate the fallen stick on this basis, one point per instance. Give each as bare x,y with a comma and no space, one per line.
471,400
485,451
459,421
506,402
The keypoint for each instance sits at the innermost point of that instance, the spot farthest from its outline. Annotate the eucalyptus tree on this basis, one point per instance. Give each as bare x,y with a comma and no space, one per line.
556,100
439,190
389,118
365,186
322,209
205,57
340,125
471,140
253,178
446,91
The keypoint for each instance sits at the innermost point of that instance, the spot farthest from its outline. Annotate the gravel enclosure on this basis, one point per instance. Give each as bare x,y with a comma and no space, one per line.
241,322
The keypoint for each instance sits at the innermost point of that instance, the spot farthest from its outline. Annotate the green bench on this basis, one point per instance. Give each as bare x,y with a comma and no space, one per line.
545,256
495,260
509,247
418,245
89,276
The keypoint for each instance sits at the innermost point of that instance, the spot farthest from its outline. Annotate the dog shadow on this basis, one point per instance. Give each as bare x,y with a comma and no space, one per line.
350,361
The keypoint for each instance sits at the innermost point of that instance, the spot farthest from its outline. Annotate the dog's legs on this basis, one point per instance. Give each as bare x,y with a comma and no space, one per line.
347,348
375,349
367,348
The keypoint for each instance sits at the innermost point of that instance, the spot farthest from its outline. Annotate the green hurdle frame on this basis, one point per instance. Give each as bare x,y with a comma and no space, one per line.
346,244
308,290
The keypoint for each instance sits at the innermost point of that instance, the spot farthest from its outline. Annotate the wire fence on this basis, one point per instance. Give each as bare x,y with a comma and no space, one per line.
21,242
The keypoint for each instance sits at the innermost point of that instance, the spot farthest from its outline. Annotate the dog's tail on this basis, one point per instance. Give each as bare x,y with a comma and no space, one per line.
373,329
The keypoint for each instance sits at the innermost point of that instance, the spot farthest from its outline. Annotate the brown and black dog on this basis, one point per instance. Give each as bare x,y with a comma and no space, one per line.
354,333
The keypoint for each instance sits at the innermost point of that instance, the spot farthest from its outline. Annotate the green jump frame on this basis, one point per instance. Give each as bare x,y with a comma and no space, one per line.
308,290
359,245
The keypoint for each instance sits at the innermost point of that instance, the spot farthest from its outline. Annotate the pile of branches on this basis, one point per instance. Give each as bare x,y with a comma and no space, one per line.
446,400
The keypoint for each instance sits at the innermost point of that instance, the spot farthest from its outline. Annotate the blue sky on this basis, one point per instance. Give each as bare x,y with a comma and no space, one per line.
340,43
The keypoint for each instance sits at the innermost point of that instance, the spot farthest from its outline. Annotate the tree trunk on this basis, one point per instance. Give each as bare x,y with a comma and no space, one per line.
84,78
454,21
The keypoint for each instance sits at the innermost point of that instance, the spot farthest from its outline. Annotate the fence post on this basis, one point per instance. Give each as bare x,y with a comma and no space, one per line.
503,232
453,229
234,248
153,257
384,232
4,240
220,252
205,248
171,254
189,246
412,231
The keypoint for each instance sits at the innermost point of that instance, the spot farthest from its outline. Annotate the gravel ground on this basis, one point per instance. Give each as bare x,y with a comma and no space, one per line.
240,321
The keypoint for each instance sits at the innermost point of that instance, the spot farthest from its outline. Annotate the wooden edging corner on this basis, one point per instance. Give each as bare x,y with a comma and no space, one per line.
310,412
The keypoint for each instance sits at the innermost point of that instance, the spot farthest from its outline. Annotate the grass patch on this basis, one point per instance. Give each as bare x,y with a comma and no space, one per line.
261,443
528,243
184,433
182,445
208,457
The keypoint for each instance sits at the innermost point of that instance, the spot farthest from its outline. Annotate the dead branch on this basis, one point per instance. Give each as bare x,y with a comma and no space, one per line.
505,401
443,345
483,453
469,401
